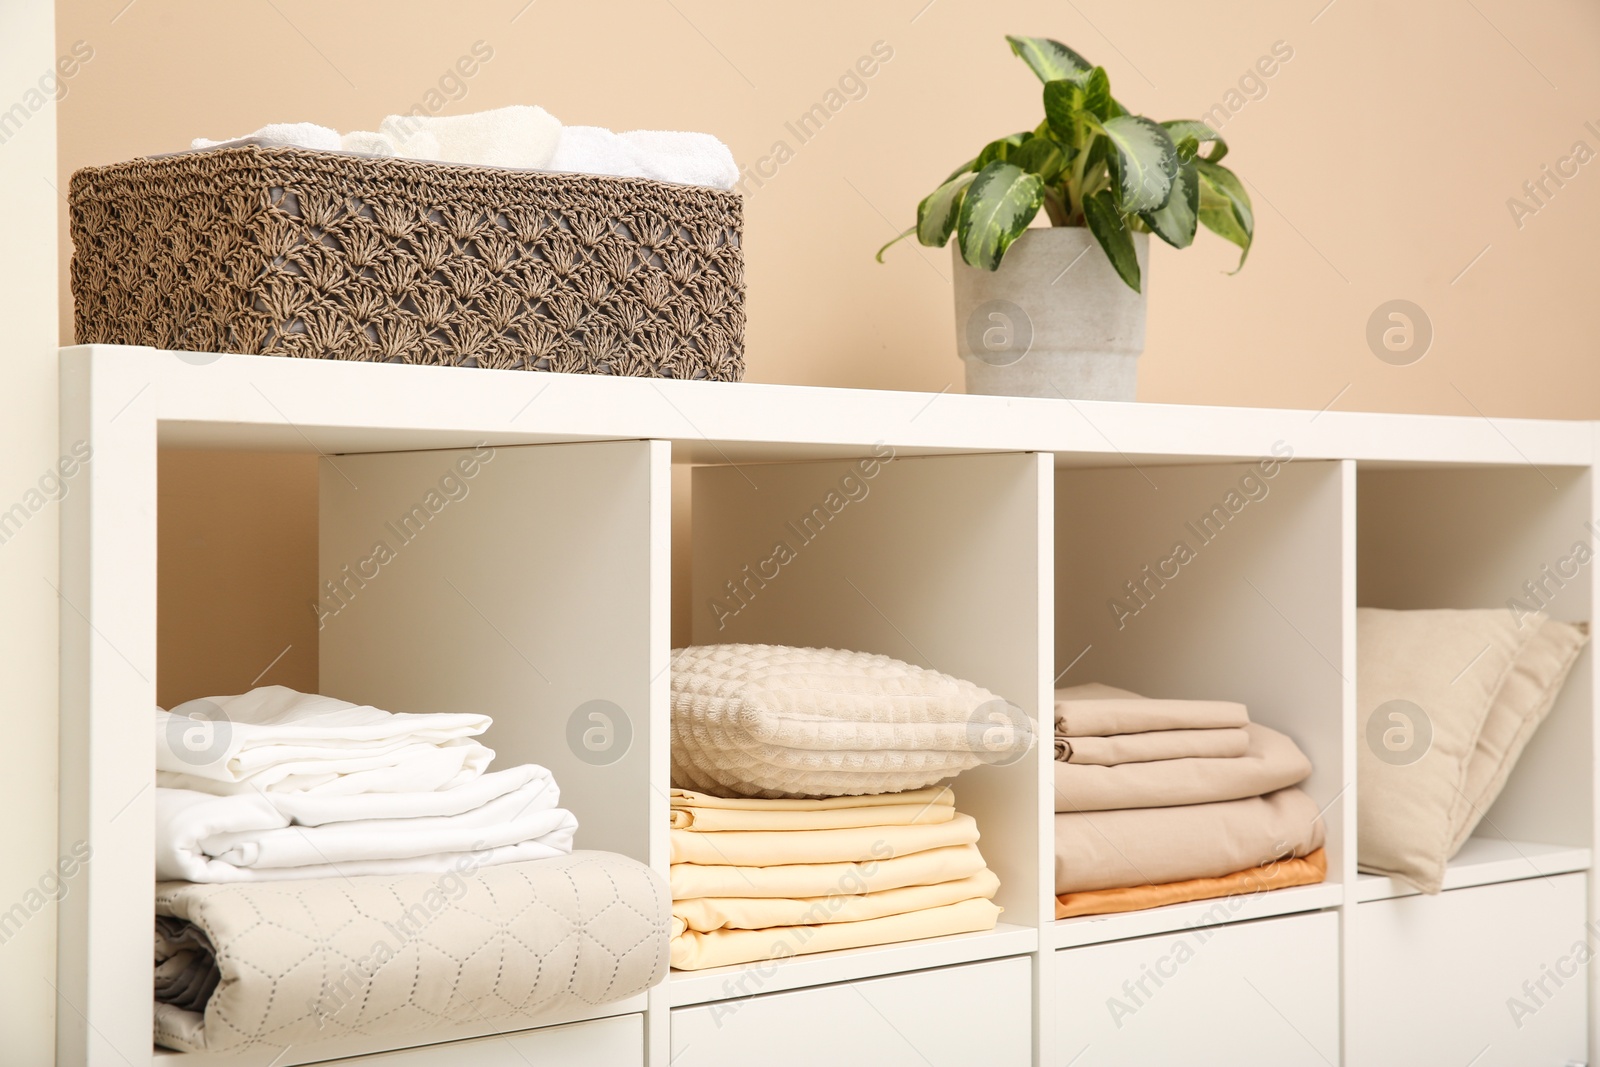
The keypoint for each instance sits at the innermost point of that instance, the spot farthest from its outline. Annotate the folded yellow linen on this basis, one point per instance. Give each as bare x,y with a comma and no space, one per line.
1273,762
702,813
819,879
934,794
705,914
1152,746
773,848
1101,710
1278,874
1147,846
693,950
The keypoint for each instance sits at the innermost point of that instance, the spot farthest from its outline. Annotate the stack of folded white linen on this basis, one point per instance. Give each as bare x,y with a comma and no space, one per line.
276,784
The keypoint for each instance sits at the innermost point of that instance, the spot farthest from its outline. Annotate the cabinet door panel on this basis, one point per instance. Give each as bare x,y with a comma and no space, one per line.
948,1017
1490,975
1224,996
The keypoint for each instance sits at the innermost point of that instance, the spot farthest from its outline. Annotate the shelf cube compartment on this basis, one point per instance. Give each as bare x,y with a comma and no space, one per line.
939,561
1517,538
526,583
1216,581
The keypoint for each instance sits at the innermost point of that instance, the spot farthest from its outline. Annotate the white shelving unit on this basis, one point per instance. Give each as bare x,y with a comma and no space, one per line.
992,541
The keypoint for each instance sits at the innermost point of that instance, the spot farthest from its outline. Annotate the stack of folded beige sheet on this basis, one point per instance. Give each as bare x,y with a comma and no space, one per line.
756,879
1163,801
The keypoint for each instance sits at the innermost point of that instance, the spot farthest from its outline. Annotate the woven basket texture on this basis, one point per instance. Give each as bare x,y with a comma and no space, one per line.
291,252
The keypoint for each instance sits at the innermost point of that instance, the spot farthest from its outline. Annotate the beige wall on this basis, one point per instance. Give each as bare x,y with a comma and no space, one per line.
29,453
1381,158
238,537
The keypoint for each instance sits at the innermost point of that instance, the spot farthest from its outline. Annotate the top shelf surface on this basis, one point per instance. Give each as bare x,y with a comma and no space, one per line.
209,401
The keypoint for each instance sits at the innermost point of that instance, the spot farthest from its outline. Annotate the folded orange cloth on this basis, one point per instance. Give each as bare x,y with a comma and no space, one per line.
1280,874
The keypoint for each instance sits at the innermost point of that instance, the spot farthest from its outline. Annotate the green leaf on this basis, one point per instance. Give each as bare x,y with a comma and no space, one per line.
998,206
1225,207
1071,104
907,232
1178,129
1105,222
937,214
1175,222
1097,95
1228,184
1094,167
1000,150
1144,163
1041,156
1064,109
1050,60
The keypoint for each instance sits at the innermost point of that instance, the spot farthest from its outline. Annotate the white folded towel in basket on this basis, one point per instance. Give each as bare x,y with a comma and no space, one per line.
687,158
595,150
667,156
286,134
524,137
520,136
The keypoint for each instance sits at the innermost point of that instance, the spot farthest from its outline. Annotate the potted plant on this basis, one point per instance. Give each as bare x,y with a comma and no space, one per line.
1040,311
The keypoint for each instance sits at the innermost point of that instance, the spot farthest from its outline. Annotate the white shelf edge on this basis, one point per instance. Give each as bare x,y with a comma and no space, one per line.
685,988
278,404
1485,861
1195,914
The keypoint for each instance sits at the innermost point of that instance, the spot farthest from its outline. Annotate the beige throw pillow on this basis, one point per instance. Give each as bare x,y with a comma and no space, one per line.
1446,700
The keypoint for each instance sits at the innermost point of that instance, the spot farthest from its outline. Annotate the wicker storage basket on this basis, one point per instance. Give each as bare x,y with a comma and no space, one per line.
290,252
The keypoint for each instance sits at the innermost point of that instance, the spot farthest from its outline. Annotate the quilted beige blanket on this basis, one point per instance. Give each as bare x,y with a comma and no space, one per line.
271,964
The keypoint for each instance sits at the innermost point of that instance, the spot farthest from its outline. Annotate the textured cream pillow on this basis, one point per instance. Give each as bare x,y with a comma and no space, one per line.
776,721
1482,682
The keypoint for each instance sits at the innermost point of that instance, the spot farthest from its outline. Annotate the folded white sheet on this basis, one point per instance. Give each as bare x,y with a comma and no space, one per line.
317,808
276,738
202,837
404,769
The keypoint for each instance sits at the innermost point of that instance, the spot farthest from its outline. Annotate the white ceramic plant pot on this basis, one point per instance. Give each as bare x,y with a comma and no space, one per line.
1054,320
